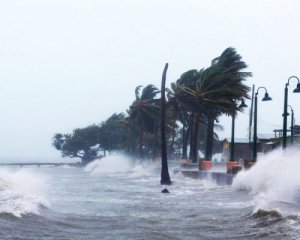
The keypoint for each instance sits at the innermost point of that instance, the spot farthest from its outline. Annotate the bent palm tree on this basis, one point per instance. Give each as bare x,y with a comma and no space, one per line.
222,84
210,92
143,112
165,177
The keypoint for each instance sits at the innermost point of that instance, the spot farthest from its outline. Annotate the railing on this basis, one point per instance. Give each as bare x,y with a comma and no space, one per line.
38,164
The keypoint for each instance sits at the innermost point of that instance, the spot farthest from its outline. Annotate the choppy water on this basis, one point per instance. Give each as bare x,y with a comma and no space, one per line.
117,199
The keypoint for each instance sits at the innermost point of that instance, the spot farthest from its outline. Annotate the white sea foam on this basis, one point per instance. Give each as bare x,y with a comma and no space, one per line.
273,179
21,192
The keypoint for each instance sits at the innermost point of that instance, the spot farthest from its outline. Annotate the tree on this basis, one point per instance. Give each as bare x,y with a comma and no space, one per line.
220,85
165,177
82,143
113,133
191,111
183,107
143,113
208,93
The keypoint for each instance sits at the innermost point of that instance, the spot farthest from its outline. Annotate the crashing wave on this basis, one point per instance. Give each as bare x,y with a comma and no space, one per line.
274,178
21,192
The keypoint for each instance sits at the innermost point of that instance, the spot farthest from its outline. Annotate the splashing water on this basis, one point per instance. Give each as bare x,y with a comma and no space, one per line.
274,181
118,164
110,165
21,192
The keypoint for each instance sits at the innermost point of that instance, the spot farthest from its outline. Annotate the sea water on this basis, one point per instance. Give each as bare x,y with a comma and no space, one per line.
118,198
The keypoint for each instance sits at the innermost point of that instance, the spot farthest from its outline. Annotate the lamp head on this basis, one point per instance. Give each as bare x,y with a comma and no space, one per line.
243,104
297,89
266,97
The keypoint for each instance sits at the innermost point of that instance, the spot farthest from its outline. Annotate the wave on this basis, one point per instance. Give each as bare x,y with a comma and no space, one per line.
274,178
21,192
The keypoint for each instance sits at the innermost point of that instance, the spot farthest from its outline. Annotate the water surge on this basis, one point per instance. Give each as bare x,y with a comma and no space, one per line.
120,164
22,192
274,181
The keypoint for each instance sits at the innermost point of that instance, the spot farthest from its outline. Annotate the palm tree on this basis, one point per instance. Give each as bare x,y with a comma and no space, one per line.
112,133
184,108
208,93
191,110
165,177
221,84
143,112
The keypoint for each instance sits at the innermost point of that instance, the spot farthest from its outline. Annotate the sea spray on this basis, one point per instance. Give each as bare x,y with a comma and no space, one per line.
112,164
139,171
273,180
22,192
120,164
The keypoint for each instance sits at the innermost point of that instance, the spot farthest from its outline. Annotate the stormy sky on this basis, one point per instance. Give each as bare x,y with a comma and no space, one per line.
71,63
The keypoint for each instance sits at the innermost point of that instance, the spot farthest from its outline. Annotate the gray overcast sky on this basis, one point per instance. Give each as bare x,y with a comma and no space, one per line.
67,63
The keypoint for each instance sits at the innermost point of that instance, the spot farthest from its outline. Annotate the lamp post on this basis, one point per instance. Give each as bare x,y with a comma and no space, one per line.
242,105
292,125
265,98
285,106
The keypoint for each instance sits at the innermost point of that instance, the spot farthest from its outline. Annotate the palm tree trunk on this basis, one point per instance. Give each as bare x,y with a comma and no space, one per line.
171,148
195,139
210,136
184,136
191,127
184,141
175,116
165,177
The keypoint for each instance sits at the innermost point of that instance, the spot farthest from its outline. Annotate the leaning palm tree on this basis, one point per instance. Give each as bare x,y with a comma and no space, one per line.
191,109
210,92
143,112
179,113
221,85
189,113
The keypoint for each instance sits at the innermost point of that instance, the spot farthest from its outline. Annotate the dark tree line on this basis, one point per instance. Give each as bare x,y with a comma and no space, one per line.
194,102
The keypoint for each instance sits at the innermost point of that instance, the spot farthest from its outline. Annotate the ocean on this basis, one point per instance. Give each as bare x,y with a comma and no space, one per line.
117,198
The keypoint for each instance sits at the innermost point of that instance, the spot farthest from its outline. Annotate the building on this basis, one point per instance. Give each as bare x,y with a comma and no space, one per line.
243,149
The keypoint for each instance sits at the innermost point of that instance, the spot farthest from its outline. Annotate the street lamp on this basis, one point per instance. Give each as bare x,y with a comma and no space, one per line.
292,125
285,113
242,105
265,98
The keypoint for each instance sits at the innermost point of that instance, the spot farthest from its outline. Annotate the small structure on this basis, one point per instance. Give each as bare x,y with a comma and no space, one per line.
297,130
279,132
268,143
243,148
